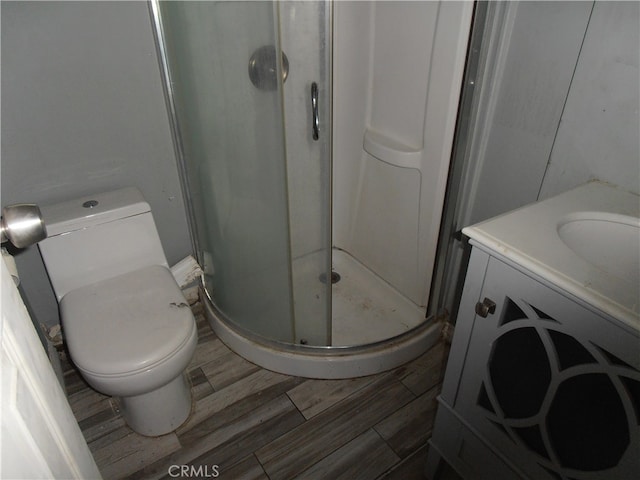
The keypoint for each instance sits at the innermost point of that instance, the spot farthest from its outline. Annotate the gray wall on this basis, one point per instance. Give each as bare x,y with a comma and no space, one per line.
598,134
564,105
83,111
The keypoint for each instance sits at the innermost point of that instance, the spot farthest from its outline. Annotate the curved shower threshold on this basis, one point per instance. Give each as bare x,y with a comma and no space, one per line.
325,362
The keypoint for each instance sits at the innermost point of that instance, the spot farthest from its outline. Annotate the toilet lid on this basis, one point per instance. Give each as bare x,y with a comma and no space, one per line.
127,323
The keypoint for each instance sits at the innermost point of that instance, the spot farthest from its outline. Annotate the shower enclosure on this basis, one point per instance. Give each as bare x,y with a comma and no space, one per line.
313,141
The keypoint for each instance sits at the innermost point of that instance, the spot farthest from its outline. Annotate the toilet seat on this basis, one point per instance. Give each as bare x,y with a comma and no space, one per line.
126,324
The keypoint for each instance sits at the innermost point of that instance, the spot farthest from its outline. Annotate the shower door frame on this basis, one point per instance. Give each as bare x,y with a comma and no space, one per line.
178,148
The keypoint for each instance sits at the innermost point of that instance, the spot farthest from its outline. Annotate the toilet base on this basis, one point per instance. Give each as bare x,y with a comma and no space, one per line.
158,412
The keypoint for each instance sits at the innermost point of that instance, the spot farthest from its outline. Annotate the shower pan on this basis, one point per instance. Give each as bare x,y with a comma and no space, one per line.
313,140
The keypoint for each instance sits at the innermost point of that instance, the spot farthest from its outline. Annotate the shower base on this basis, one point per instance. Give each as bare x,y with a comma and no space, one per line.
366,309
374,328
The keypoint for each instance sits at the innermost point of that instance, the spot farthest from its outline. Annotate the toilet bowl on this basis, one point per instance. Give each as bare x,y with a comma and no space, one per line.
126,324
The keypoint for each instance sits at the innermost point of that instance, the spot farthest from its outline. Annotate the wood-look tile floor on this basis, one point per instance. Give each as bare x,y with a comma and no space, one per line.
252,423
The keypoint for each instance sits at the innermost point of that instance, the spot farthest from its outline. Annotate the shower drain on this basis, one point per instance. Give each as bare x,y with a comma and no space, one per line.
335,277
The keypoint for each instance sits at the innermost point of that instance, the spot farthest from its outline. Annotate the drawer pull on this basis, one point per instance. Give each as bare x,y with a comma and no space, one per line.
486,307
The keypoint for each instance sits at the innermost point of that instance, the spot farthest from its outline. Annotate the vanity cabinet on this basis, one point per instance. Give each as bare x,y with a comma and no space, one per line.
539,383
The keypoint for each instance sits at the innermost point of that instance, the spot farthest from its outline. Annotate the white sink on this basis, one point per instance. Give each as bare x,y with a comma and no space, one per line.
608,241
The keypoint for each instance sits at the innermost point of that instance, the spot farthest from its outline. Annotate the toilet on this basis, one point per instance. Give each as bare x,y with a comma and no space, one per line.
127,326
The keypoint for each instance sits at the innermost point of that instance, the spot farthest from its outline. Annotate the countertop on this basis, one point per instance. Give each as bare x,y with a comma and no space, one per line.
529,237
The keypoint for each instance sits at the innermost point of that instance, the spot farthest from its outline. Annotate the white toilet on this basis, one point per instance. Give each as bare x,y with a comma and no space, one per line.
127,326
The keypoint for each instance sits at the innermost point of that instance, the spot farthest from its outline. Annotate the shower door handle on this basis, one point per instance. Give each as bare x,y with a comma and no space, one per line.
314,110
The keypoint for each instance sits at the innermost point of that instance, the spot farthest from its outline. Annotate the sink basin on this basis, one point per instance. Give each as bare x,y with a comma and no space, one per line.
608,241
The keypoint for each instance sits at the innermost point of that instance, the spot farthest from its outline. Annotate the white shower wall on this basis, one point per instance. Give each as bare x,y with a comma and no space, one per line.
397,76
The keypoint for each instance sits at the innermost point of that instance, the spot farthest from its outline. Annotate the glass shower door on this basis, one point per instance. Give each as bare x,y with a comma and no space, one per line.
224,85
305,33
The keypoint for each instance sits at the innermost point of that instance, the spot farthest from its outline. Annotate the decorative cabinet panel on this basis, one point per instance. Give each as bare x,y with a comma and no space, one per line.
538,384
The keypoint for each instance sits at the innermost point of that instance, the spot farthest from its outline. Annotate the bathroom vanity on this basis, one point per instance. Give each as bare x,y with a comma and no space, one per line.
543,378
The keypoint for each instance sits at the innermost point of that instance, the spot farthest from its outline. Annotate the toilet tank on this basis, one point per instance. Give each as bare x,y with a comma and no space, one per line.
98,237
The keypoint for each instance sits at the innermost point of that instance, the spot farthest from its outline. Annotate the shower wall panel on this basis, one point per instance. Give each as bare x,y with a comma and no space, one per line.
386,225
394,132
403,35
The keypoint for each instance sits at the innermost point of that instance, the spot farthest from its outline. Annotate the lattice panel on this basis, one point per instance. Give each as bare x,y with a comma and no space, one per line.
569,402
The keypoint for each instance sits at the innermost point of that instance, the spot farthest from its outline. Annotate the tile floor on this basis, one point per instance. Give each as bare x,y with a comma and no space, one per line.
250,423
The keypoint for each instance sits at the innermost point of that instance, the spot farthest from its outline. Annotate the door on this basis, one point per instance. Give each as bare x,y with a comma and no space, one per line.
40,437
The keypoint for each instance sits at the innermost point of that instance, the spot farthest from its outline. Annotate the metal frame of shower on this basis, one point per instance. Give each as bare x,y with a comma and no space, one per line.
452,255
161,51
